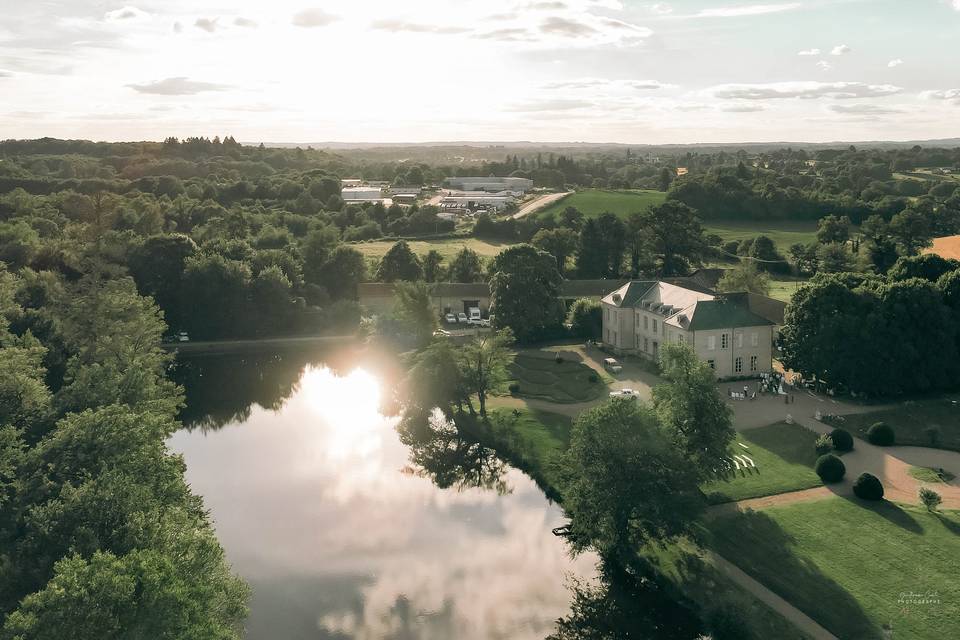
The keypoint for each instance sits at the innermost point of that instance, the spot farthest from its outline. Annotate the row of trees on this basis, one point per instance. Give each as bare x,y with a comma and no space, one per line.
876,335
100,536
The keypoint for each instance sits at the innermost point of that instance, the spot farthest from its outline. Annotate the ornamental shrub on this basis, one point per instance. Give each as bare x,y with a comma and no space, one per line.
842,440
868,487
830,468
881,434
823,445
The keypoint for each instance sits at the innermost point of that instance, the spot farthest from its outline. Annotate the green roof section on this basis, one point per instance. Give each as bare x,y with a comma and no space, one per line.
723,313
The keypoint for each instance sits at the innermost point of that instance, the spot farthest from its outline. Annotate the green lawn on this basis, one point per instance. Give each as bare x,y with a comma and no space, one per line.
933,476
853,566
448,247
911,420
533,441
784,455
593,202
783,232
540,376
783,287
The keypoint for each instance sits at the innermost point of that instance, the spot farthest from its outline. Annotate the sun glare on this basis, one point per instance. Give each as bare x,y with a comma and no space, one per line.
348,407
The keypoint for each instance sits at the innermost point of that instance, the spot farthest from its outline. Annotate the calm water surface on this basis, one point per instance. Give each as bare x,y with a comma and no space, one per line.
318,508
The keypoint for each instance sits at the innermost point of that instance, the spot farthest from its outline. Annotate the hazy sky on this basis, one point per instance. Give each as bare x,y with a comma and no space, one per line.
421,70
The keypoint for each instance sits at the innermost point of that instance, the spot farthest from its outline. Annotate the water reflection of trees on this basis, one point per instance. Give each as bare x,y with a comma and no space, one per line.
222,389
624,604
448,456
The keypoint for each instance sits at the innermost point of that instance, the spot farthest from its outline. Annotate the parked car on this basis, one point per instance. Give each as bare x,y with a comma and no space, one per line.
611,365
450,318
441,333
625,393
475,316
485,322
462,318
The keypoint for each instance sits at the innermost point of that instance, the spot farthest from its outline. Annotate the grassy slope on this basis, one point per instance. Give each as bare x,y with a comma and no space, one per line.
593,202
909,419
447,247
845,563
783,232
566,382
536,440
784,455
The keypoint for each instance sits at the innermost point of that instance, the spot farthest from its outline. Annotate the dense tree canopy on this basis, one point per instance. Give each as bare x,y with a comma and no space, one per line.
524,292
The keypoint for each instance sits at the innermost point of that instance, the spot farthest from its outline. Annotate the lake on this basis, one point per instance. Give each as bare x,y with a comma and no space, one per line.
318,507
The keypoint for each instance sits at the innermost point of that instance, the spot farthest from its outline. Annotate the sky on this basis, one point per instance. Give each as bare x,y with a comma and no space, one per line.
493,70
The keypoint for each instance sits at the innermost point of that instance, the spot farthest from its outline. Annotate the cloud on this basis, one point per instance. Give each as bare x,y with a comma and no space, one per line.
590,83
809,52
179,86
549,105
742,108
840,49
247,23
956,4
896,62
942,94
6,74
177,27
314,17
125,13
566,27
511,34
803,90
547,6
661,9
823,65
746,10
398,26
862,109
207,24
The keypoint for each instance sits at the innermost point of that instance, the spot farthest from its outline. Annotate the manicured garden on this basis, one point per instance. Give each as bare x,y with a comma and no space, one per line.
852,565
538,374
784,455
933,422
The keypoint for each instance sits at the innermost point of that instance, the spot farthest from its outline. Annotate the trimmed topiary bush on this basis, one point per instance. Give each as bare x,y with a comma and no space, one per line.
514,388
881,434
868,487
823,445
830,468
842,440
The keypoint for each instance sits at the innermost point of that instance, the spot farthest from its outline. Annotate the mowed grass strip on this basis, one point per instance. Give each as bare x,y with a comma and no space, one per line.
448,247
783,232
853,566
536,439
932,422
593,202
564,382
784,455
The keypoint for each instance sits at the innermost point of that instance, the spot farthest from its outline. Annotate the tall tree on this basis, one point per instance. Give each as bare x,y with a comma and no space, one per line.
524,292
466,266
689,406
628,484
399,263
676,237
484,363
560,243
746,277
433,266
415,309
833,228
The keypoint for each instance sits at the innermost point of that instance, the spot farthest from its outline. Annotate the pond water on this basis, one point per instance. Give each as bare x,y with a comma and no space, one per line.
316,501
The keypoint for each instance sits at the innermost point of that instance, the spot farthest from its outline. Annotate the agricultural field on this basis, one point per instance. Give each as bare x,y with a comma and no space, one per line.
448,247
784,455
853,566
593,202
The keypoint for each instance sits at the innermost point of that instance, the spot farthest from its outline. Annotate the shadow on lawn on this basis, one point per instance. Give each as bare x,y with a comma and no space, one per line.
760,547
950,525
889,510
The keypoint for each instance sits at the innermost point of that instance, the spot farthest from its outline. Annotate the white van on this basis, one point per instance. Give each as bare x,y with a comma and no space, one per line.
611,365
475,317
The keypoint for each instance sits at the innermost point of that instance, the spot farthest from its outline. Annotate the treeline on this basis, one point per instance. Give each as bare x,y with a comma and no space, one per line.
100,535
876,335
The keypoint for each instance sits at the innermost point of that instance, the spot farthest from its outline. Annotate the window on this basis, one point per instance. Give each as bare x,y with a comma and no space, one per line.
753,362
713,364
656,348
614,337
680,338
654,325
637,346
754,339
646,345
739,341
646,323
711,342
724,340
738,365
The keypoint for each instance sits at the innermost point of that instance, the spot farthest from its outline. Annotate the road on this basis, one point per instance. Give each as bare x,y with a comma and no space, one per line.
539,203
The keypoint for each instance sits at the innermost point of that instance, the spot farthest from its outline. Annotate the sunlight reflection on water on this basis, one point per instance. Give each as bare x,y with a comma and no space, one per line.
313,508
